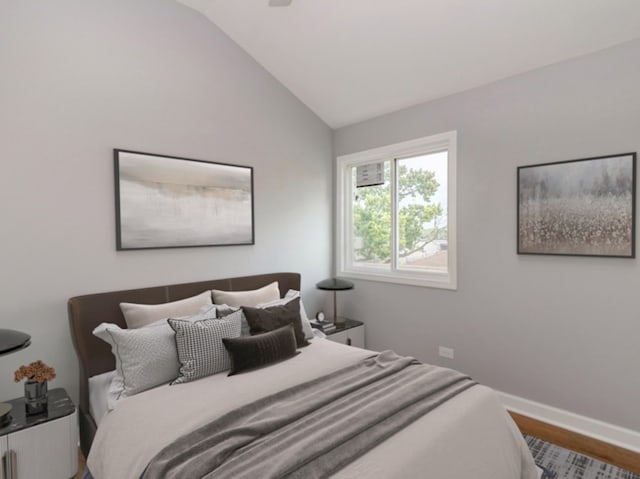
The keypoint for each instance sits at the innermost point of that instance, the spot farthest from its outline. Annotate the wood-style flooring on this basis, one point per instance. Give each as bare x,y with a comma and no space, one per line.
588,446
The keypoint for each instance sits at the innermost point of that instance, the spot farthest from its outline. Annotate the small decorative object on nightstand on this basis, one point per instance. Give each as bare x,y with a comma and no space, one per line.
35,387
335,284
43,445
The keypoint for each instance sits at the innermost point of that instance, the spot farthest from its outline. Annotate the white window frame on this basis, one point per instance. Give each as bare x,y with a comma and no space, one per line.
344,248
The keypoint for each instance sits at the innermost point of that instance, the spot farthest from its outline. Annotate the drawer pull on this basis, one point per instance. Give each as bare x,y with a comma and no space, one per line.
9,465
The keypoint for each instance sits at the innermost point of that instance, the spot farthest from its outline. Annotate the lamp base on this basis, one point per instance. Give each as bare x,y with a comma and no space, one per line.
5,414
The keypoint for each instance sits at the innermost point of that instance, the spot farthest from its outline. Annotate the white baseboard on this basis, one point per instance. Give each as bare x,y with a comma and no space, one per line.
609,433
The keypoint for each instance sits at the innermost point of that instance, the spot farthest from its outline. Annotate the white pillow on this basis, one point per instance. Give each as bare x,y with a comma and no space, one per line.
292,294
252,298
145,357
139,315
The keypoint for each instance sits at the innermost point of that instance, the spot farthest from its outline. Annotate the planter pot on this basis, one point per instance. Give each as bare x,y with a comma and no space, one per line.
35,395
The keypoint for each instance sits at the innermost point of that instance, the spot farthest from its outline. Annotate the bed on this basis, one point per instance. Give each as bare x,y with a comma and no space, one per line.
469,435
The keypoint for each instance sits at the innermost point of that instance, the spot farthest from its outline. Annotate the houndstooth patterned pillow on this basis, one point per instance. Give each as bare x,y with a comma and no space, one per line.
199,345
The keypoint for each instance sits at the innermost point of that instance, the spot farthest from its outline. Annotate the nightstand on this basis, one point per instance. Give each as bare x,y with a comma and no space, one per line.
44,445
351,334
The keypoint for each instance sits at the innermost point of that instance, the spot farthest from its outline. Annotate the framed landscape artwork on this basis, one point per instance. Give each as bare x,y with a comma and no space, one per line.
579,207
170,202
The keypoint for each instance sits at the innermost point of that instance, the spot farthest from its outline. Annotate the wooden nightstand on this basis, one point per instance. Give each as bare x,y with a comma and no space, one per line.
44,445
351,334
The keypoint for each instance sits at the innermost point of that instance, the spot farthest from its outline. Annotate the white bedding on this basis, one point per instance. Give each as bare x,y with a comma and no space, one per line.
471,436
99,395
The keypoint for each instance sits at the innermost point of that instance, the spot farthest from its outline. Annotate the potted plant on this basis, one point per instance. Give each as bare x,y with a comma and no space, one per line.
37,374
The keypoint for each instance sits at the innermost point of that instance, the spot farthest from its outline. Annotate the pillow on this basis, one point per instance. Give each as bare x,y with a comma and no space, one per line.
138,315
225,310
199,345
145,357
270,292
292,294
274,317
251,352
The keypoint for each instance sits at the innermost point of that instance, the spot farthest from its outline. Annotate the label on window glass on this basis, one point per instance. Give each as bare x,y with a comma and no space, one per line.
371,174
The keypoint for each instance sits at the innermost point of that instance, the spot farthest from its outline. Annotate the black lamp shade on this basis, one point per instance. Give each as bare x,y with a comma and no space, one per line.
334,284
11,341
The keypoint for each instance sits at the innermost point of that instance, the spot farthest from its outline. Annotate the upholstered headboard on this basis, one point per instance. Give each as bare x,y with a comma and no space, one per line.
88,311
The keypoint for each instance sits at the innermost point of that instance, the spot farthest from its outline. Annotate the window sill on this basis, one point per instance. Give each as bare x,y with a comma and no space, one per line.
434,280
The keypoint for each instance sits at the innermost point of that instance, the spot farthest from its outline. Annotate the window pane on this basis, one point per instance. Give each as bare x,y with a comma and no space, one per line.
371,223
422,212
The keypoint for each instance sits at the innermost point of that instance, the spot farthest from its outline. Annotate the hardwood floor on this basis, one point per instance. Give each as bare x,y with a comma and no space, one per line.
81,464
603,451
589,446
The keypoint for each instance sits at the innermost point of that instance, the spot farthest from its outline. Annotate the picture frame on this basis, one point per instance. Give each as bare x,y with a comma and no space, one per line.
173,202
582,207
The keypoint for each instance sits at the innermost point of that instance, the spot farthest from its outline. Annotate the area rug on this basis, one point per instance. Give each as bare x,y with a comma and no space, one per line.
565,464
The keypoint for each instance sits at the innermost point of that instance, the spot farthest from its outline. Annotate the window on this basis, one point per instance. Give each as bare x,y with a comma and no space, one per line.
396,213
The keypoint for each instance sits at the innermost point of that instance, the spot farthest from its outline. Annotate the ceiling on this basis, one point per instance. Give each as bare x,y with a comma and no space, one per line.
351,60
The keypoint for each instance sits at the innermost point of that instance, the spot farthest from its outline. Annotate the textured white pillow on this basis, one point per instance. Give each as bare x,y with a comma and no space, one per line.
139,315
145,357
252,298
292,294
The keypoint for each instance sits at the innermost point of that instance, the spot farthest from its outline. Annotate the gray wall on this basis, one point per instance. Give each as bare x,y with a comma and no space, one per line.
563,331
80,78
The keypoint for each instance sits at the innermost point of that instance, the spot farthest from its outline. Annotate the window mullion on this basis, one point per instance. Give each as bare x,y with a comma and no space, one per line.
348,233
395,228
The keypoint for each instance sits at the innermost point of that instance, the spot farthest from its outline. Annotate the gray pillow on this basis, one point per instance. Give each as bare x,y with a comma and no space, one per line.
145,357
292,294
223,310
199,346
250,352
274,317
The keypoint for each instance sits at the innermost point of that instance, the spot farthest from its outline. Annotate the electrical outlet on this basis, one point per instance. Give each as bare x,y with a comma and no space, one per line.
445,352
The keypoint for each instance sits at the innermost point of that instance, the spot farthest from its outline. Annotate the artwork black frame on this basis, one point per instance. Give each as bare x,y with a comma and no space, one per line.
584,207
187,211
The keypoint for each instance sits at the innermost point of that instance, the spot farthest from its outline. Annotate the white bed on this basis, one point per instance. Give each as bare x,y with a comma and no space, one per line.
470,436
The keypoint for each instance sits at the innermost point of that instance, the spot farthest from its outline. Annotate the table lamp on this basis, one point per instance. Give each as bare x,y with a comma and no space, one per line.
335,284
10,342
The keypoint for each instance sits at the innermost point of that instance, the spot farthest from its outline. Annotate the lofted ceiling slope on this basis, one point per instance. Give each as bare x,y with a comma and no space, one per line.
351,60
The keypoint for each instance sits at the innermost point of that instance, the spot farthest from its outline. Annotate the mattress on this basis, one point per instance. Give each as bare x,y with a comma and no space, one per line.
470,436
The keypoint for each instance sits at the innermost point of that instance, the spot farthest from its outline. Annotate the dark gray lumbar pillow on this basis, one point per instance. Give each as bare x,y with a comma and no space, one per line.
250,352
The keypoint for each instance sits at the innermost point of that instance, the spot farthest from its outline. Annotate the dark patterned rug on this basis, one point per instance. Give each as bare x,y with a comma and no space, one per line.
562,463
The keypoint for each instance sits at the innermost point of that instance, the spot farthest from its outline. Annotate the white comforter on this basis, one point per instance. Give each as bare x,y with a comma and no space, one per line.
469,437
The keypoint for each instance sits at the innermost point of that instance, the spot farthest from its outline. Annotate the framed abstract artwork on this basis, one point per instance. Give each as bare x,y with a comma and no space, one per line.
171,202
580,207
